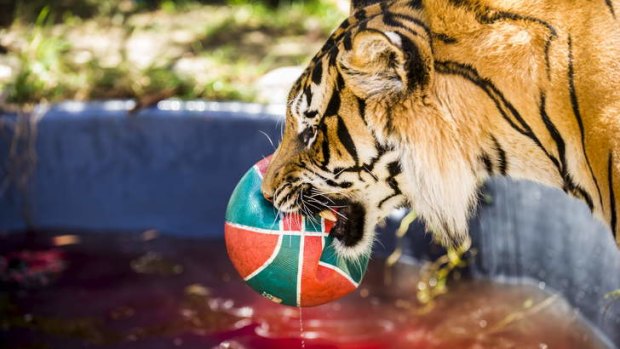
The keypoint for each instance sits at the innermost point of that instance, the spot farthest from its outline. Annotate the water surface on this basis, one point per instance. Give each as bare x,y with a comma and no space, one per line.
148,291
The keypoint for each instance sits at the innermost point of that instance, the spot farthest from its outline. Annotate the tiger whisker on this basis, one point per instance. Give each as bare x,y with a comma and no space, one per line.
321,195
340,172
307,212
323,206
335,191
268,138
315,191
328,199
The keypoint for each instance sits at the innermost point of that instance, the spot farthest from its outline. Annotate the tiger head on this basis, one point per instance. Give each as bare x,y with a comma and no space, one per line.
340,148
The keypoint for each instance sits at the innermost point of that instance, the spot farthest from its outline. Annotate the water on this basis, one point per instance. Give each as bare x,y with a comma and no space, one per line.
301,328
146,291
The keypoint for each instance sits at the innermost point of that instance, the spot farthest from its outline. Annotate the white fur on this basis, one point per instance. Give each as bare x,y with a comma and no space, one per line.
442,198
394,38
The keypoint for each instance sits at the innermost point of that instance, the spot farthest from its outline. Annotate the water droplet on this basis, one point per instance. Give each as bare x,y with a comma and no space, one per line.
301,329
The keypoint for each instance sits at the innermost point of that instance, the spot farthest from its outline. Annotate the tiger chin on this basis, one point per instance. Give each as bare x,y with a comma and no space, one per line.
416,103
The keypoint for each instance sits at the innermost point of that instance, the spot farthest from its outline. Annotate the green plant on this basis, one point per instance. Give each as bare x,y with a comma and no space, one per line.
41,65
229,48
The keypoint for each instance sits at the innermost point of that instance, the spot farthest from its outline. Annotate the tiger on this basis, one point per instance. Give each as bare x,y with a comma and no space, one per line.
416,103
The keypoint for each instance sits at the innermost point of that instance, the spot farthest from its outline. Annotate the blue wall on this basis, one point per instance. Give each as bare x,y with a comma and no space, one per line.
172,170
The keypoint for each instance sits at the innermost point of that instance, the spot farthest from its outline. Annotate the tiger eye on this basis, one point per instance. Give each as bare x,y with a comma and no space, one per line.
307,135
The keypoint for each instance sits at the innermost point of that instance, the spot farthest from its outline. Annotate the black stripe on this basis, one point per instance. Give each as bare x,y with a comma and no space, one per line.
415,4
413,20
502,104
569,183
345,24
367,167
494,16
311,160
390,20
308,95
488,164
332,183
339,82
385,199
332,55
325,146
469,73
345,138
553,131
333,106
610,5
346,41
360,14
389,123
329,43
501,154
361,106
574,101
362,25
559,141
612,195
417,71
444,38
547,60
489,15
317,73
393,170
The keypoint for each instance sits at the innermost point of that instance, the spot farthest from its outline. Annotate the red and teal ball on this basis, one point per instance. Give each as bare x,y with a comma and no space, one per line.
290,258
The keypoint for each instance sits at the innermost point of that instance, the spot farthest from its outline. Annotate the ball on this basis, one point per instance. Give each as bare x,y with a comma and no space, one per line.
287,258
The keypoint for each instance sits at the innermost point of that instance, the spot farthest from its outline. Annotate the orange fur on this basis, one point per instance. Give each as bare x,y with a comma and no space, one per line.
463,90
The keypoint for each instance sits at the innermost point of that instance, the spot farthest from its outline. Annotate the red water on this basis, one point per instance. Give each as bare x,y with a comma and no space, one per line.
129,291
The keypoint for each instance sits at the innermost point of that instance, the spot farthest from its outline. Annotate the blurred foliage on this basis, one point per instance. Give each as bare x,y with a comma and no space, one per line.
217,50
41,65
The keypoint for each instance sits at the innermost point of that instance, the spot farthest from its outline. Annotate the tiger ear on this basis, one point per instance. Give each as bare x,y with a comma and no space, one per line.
383,64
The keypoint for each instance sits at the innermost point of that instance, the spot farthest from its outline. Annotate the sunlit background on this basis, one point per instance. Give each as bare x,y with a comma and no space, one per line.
246,50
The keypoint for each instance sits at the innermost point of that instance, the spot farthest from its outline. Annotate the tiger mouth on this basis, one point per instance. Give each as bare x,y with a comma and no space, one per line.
348,219
349,226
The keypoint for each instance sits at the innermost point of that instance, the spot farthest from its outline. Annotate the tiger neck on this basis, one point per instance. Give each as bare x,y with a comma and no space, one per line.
504,127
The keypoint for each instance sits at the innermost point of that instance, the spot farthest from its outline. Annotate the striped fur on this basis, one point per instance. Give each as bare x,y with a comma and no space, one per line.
418,102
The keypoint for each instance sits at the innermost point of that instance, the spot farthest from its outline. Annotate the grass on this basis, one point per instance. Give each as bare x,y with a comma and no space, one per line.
184,49
42,66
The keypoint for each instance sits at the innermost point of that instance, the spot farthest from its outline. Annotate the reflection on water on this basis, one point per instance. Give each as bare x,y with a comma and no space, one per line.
137,291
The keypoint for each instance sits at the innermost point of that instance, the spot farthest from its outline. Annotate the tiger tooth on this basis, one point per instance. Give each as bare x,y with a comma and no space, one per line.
328,215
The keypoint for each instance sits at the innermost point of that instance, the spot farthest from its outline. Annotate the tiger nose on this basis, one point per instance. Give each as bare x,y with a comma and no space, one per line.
267,192
267,197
